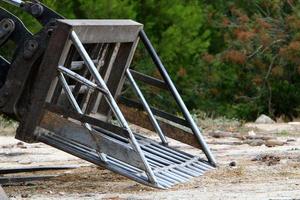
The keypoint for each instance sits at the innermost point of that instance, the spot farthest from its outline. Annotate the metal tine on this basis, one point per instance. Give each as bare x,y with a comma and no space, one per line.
204,164
161,154
165,152
183,178
127,165
200,170
163,183
129,171
189,171
157,164
183,155
186,171
201,166
196,169
152,165
157,158
181,173
167,178
122,166
166,173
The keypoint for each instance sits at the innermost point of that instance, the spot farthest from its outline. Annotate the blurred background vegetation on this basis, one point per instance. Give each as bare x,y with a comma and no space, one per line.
232,58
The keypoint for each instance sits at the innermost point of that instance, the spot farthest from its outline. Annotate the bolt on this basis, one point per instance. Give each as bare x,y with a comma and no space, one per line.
36,10
30,48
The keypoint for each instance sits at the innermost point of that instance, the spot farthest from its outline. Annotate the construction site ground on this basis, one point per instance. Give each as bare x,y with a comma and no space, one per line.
256,161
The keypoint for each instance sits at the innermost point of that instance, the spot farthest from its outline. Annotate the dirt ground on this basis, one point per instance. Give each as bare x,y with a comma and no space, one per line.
248,169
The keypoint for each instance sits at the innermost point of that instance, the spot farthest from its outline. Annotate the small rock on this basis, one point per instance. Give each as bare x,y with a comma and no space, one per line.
232,164
274,143
24,195
251,133
291,140
20,144
294,123
255,143
25,162
264,119
268,159
219,134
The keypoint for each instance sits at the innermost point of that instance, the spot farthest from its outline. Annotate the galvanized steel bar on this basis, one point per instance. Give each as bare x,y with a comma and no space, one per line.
80,79
146,107
177,96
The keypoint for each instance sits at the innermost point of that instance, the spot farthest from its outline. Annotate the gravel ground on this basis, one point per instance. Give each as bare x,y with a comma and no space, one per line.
244,172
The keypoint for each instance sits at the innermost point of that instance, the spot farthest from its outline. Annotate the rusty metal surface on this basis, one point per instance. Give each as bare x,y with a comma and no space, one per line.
44,77
140,118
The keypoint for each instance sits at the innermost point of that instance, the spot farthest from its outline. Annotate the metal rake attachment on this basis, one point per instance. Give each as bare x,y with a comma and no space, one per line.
73,105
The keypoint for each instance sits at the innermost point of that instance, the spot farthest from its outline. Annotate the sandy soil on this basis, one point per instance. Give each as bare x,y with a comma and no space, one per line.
261,172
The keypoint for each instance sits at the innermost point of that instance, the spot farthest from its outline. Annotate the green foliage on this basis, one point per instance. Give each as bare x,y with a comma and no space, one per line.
237,58
257,70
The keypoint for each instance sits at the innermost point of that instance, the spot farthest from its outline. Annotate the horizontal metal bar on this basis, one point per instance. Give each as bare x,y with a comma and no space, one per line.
157,112
13,180
34,169
77,65
81,79
148,79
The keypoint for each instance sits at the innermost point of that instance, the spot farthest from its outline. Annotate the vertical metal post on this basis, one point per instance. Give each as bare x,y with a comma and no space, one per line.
110,99
177,96
146,107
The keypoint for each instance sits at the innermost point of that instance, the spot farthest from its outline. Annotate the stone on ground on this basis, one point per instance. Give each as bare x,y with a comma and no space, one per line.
264,119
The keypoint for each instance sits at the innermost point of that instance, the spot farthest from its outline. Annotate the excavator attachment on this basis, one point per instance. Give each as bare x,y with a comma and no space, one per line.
65,87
